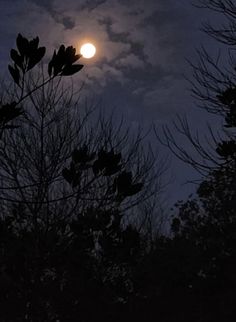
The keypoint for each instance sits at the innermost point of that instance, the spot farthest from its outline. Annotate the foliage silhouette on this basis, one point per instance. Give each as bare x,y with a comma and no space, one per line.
68,247
26,57
204,227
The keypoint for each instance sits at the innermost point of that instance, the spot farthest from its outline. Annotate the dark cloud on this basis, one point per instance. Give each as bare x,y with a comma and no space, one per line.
46,4
68,22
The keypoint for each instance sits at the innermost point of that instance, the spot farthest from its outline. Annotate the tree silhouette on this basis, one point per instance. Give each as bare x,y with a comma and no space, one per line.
201,251
213,85
204,227
68,247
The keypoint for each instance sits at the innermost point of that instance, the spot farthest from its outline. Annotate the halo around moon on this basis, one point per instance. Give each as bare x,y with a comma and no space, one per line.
88,50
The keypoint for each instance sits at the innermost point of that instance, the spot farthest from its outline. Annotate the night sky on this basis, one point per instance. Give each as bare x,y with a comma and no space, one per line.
142,52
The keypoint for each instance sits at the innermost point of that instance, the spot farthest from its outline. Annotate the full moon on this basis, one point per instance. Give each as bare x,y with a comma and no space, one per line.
88,50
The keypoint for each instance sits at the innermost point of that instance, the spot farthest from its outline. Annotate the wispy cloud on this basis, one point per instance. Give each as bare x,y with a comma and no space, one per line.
140,44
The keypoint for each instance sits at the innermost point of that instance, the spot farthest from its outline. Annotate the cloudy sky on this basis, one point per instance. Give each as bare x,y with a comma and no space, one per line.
142,48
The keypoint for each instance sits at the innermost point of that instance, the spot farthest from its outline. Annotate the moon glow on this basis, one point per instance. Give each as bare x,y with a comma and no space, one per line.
88,50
